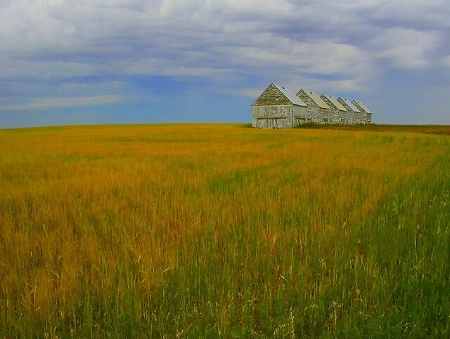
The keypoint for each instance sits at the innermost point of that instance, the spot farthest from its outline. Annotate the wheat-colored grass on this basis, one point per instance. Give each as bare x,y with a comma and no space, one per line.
224,230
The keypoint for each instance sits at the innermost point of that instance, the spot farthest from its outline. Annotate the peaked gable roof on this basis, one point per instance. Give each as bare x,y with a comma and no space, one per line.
335,103
349,104
314,97
361,106
290,95
278,95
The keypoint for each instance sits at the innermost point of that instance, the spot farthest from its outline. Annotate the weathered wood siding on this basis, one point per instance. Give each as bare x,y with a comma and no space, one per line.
272,96
277,107
282,116
274,109
315,113
366,117
351,115
337,116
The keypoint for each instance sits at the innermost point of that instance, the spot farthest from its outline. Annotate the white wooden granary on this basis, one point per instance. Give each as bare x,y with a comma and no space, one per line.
318,111
339,115
277,107
364,110
354,114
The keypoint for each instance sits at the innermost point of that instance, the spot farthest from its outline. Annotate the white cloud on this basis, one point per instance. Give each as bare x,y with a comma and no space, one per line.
46,103
205,8
412,13
406,48
201,35
250,92
339,45
445,61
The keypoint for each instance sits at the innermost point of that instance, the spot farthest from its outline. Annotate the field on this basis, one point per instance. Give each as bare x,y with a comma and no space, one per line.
224,230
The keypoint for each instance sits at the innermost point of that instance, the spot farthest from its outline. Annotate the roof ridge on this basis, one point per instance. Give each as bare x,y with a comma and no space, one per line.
292,97
335,102
315,97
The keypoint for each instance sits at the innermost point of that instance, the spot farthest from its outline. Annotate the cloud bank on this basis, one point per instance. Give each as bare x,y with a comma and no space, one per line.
172,55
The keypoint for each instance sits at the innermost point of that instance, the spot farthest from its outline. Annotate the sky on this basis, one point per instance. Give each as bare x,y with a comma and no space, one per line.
70,62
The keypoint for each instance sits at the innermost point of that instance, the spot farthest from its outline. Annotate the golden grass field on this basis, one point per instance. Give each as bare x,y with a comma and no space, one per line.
224,230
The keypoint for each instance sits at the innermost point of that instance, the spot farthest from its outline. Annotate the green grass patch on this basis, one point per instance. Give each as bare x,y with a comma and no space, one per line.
225,231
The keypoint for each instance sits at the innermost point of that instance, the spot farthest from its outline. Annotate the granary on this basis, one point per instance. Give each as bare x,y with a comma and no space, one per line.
338,112
277,107
365,111
318,111
354,114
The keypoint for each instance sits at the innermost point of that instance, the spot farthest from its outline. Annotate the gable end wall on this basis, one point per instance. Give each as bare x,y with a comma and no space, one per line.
337,116
272,109
281,116
316,114
272,96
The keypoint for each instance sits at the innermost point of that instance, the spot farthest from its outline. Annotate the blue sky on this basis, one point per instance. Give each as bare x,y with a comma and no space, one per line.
155,61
